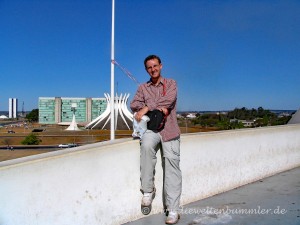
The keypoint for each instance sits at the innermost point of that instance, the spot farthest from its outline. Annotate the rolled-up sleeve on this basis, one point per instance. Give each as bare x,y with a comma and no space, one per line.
138,101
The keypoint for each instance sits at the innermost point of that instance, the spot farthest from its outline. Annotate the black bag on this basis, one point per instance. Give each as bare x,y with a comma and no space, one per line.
157,120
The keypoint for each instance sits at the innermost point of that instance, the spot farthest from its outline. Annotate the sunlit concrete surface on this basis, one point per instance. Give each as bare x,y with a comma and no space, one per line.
99,183
271,201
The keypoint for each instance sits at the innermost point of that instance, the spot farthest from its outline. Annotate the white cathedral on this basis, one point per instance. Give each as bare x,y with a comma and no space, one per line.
123,117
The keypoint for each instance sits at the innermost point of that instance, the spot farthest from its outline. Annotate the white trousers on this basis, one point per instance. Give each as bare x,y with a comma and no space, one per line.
170,152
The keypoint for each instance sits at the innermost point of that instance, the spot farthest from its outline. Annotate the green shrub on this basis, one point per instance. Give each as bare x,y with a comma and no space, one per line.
31,139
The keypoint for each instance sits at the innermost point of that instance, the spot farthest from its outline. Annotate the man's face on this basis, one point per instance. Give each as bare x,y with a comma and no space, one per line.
153,68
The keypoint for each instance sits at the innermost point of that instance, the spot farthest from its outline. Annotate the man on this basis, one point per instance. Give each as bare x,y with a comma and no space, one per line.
159,93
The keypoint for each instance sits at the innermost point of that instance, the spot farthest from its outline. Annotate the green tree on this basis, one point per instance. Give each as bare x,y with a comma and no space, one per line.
31,139
33,116
223,124
236,125
281,120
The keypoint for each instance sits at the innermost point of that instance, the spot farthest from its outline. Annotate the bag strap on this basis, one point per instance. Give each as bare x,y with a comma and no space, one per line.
164,93
164,87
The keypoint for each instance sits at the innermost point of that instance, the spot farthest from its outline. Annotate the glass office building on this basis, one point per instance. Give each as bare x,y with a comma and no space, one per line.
53,110
98,107
47,110
80,110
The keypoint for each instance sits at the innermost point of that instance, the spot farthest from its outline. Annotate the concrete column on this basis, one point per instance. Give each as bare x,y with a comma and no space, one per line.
57,110
88,110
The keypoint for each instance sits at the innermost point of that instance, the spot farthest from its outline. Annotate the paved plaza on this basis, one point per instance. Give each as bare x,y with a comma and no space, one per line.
271,201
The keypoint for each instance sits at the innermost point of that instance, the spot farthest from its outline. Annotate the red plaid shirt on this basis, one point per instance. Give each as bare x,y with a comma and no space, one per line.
159,97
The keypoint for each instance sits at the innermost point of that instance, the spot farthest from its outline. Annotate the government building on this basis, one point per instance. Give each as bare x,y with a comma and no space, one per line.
58,110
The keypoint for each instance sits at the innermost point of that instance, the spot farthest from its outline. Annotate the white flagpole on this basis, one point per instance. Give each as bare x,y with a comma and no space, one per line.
112,69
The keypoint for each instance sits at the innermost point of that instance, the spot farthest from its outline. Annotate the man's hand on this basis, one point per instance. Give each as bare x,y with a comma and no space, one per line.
164,110
138,116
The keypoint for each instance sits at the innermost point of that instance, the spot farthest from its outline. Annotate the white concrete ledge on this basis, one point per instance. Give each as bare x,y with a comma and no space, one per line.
99,183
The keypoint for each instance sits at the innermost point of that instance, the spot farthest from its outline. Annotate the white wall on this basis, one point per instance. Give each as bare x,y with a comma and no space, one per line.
99,183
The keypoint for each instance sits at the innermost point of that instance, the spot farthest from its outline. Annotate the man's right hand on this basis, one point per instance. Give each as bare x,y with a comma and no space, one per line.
138,116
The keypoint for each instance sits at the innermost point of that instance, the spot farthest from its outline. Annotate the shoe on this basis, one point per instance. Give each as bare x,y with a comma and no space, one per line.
148,198
172,218
147,201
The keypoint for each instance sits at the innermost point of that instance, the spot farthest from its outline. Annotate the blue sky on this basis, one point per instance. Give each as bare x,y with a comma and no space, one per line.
222,53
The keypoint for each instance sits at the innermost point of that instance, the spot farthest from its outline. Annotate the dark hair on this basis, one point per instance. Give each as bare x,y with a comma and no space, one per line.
150,57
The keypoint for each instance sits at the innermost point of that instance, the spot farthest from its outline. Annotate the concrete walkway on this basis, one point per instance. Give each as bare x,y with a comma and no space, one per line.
271,201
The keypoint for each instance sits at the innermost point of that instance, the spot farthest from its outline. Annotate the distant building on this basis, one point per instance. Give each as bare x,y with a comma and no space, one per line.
191,115
12,107
55,110
3,117
246,123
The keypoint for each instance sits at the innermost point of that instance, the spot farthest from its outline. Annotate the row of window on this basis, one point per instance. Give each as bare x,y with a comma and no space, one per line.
47,109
